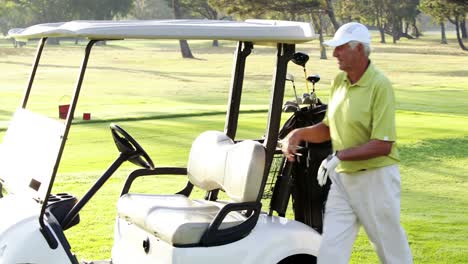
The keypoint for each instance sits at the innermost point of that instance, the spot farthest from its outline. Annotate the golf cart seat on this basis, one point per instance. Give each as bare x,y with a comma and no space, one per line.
215,162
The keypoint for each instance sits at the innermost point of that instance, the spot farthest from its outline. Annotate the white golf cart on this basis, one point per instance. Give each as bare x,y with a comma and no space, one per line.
154,228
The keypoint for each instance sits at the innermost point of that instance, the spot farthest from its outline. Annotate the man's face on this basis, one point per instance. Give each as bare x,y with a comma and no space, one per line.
346,56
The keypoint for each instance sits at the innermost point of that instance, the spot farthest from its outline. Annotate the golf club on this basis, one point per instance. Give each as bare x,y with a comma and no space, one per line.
290,106
300,58
290,77
313,79
306,99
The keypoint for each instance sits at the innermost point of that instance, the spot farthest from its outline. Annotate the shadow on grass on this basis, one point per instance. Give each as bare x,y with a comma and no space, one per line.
173,75
434,206
170,75
5,112
419,48
460,73
157,117
432,154
435,148
169,116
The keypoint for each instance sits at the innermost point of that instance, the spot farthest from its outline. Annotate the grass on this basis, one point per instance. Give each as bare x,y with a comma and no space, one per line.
165,101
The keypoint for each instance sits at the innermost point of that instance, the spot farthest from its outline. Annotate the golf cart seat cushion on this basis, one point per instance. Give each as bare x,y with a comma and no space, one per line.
216,162
173,218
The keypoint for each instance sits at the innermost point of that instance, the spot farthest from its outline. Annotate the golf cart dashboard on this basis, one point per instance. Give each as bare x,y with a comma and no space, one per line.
59,205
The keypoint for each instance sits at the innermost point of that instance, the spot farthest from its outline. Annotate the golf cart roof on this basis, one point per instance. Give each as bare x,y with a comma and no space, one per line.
257,31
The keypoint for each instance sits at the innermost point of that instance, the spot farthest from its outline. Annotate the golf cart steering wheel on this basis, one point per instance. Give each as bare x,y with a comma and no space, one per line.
128,146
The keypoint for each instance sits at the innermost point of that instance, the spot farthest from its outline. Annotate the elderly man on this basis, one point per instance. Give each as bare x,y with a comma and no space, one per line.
360,122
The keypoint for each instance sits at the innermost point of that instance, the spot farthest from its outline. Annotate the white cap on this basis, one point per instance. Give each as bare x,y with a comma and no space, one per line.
352,31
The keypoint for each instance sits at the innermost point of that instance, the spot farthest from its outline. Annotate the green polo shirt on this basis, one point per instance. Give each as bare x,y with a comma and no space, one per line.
360,112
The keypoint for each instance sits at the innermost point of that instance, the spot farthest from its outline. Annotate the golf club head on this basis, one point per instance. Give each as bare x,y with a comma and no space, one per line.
290,106
306,99
313,78
313,99
300,58
290,77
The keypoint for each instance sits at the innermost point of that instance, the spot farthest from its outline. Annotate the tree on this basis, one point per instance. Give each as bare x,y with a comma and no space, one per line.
443,36
151,9
102,9
331,14
12,16
184,47
453,11
390,16
291,9
318,24
204,9
262,8
27,12
371,12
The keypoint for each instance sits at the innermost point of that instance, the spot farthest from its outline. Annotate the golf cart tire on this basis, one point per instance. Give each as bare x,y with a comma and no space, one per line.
299,259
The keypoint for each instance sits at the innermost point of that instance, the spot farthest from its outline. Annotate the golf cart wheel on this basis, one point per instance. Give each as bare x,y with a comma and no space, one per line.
299,259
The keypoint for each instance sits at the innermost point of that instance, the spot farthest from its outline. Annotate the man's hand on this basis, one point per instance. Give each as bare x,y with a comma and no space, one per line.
328,165
290,144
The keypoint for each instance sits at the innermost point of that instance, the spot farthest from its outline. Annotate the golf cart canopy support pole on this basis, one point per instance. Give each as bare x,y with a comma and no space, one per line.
68,122
243,50
40,47
232,116
284,55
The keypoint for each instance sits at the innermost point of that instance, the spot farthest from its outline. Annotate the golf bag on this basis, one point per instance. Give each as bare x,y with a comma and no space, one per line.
307,196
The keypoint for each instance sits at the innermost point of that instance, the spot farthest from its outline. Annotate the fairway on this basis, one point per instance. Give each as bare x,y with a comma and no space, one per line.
165,101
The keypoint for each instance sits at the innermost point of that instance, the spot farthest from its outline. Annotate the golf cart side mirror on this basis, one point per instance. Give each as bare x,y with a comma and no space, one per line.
300,58
290,77
313,78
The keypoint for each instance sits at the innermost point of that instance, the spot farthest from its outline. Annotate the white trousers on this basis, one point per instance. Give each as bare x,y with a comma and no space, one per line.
369,198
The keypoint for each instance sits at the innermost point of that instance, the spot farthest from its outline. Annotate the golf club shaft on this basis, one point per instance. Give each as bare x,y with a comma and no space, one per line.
307,84
295,94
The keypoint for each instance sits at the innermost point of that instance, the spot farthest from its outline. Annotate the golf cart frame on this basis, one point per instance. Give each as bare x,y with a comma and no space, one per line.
54,217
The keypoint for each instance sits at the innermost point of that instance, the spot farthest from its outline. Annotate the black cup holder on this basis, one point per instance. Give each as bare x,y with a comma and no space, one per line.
60,204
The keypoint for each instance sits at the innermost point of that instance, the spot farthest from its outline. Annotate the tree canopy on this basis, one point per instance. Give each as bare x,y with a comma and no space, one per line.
397,18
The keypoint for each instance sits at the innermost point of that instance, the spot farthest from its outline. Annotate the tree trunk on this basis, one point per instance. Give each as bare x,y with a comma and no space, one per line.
184,47
395,32
318,25
323,50
53,41
443,37
460,40
331,15
101,43
381,27
463,27
382,34
415,30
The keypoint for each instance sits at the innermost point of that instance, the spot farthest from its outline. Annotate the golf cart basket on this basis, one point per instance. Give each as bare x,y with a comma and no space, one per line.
298,179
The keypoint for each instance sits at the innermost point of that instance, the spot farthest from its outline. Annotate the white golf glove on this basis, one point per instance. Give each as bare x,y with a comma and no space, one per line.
328,165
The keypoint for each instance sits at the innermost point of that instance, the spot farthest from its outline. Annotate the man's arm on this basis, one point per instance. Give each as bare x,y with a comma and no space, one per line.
372,149
316,134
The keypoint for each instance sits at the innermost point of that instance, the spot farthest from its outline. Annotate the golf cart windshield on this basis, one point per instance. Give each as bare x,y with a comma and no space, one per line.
29,152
